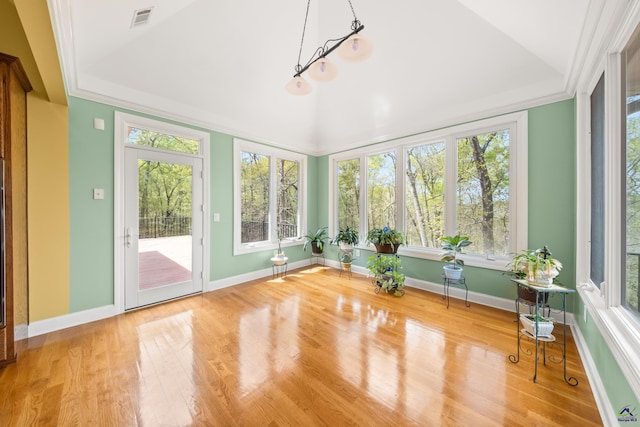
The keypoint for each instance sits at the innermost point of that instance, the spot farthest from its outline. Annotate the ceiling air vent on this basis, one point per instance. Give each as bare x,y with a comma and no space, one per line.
141,16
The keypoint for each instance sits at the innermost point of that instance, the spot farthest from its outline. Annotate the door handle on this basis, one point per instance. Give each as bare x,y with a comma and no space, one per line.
129,236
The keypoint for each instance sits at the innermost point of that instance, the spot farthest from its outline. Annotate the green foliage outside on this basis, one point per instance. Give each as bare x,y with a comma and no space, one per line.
481,197
164,189
633,210
255,193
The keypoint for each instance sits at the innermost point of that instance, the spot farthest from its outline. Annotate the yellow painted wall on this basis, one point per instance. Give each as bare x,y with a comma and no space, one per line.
48,207
25,32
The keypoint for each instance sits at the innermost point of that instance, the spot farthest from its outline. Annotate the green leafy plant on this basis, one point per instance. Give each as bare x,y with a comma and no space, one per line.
452,246
347,236
528,263
385,236
319,237
346,257
385,270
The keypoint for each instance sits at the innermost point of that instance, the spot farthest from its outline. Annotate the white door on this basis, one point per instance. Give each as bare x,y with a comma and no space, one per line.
163,221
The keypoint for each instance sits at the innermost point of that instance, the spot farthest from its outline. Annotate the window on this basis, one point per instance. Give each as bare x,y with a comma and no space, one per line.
608,196
269,197
482,196
424,208
348,194
597,184
381,190
163,141
460,179
631,164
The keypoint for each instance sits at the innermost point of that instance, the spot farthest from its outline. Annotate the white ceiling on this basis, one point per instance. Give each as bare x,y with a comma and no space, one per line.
223,64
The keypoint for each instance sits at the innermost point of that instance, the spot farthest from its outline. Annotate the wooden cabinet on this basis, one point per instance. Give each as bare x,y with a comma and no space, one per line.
14,86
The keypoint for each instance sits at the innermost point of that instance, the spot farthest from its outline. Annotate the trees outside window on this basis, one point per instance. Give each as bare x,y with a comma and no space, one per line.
457,180
288,172
269,196
381,190
254,196
425,195
348,194
631,135
153,139
482,196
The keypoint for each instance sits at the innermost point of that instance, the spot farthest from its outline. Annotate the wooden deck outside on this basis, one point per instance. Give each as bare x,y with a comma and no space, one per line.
164,261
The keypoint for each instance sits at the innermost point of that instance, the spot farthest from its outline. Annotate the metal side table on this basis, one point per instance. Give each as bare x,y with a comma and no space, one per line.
540,290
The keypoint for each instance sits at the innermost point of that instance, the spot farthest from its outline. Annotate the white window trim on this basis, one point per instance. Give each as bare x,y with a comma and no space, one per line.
240,145
619,329
518,194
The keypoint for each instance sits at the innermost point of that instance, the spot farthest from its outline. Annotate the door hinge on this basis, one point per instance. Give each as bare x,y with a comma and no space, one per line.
202,241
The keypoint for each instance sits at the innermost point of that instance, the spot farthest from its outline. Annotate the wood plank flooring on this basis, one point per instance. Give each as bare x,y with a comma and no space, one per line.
308,349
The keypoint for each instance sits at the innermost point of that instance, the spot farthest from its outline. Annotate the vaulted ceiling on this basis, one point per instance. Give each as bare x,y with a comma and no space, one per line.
223,65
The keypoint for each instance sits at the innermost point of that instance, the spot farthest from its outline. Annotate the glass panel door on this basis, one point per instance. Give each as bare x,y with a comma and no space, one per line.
163,219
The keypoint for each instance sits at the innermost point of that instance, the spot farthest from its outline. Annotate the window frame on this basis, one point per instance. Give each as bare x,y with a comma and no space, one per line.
240,145
619,328
518,175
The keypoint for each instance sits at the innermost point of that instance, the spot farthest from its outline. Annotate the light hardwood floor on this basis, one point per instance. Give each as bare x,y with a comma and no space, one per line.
309,349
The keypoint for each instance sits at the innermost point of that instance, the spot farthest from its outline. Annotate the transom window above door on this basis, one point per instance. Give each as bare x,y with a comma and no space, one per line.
162,141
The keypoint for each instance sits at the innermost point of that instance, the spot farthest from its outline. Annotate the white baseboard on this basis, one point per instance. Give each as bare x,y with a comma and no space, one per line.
247,277
607,413
73,319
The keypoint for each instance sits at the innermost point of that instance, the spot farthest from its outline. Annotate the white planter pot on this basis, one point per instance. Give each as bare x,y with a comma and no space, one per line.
544,328
279,260
347,247
452,273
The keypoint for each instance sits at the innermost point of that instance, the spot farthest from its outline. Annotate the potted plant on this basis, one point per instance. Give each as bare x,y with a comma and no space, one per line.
452,246
536,325
386,240
346,238
536,266
346,257
279,258
316,240
386,274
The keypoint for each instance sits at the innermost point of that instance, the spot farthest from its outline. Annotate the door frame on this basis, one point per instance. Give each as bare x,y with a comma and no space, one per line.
121,123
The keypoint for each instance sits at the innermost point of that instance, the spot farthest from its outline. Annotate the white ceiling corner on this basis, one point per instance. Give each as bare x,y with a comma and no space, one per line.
223,65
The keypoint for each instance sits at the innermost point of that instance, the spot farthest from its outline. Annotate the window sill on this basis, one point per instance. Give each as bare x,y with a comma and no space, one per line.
620,332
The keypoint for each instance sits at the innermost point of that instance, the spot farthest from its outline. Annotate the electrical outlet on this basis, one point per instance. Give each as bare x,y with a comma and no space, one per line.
356,252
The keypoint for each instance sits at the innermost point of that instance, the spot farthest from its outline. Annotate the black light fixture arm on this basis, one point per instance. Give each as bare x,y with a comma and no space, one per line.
323,51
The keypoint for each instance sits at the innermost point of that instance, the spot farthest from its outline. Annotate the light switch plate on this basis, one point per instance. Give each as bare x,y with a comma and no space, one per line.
98,193
216,217
98,123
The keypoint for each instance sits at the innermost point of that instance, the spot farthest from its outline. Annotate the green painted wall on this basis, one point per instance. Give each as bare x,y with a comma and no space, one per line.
91,166
91,245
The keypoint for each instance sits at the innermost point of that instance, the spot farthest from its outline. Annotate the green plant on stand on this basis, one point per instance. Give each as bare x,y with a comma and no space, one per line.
453,245
535,266
316,240
346,238
385,270
386,240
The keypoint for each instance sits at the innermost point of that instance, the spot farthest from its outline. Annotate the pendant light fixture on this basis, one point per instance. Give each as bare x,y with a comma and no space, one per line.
352,47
